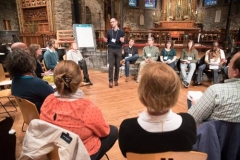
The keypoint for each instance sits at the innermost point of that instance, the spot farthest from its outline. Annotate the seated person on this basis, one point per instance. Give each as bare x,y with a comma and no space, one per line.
188,59
21,67
150,55
75,55
68,109
214,56
168,54
35,52
51,57
19,45
158,128
130,55
220,101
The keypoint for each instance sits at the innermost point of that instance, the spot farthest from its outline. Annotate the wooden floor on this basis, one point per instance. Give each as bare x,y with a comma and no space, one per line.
116,103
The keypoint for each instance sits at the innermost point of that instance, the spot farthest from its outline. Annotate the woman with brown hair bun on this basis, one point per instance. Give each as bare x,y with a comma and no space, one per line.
158,128
68,109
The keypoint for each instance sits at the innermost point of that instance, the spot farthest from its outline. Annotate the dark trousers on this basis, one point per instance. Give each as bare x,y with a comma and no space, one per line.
106,143
83,66
114,57
200,72
7,141
172,65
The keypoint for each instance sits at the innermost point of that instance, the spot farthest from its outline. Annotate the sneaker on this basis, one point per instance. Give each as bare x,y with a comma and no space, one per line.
127,79
87,80
186,84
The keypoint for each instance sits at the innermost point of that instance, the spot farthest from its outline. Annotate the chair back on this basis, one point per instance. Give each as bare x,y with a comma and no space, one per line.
168,156
65,57
44,66
28,109
2,73
54,154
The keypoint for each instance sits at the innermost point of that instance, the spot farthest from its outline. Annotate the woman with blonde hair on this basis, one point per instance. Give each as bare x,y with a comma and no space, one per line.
188,59
158,128
35,52
68,109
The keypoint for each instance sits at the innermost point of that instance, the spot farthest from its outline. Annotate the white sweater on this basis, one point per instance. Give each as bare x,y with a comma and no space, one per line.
42,137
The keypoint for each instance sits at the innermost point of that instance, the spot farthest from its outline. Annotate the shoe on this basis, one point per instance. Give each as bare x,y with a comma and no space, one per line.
186,84
88,81
197,84
115,83
110,85
127,79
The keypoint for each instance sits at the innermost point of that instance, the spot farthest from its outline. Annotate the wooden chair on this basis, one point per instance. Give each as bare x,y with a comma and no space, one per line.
28,109
5,93
44,66
3,80
65,57
168,156
54,154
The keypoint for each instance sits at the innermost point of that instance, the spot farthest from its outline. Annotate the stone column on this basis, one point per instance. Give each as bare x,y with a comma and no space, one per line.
83,11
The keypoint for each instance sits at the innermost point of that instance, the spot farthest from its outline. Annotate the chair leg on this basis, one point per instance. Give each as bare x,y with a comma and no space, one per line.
5,110
22,127
106,156
12,104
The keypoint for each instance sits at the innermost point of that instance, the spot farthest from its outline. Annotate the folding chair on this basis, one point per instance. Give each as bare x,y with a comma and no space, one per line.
168,156
28,109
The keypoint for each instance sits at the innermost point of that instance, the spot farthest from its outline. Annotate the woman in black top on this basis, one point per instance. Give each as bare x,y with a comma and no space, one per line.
35,51
158,128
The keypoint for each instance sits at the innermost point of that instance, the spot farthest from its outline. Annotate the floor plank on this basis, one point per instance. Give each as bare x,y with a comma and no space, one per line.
116,103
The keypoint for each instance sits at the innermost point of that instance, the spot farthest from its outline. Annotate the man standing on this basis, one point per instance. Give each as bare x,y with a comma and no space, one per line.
130,55
51,55
115,39
150,55
220,101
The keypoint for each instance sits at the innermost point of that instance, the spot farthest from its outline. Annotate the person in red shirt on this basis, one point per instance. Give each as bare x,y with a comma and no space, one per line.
68,109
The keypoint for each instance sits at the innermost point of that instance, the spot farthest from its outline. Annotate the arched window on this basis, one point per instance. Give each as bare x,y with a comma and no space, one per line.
88,16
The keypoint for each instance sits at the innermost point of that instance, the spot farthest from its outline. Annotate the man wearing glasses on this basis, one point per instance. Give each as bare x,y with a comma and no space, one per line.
114,40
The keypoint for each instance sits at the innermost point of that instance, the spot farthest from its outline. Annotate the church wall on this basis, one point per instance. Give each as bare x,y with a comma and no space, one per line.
96,7
131,16
208,17
62,14
8,11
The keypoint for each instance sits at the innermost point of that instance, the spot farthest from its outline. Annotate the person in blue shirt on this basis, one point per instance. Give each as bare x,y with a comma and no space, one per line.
51,57
21,67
